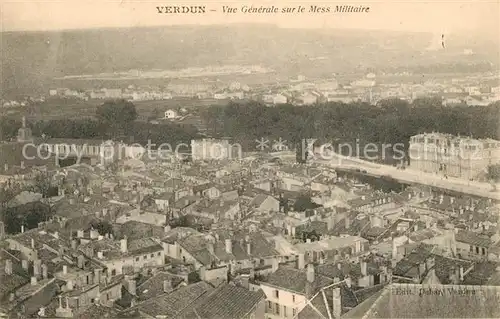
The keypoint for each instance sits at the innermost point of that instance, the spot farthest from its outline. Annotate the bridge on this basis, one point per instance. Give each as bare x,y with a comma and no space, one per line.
408,176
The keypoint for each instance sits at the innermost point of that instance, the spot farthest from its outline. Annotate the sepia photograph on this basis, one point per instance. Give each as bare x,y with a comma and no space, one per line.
250,160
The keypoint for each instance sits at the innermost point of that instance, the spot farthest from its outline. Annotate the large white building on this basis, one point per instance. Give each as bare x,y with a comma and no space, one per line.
214,149
454,156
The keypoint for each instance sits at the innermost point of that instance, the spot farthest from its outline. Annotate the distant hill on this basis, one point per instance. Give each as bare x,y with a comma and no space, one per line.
30,60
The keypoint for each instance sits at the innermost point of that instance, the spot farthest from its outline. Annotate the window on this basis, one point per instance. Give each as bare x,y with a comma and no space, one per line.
477,250
294,312
276,294
159,253
145,257
484,251
269,306
471,249
137,259
277,305
152,255
293,298
284,311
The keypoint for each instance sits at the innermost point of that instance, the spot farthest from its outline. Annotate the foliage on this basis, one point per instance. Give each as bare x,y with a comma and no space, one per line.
103,227
493,173
28,215
304,203
117,113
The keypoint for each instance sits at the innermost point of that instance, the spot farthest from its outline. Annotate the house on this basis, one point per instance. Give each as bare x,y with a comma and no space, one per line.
264,204
118,256
374,203
174,304
216,210
472,245
423,266
333,248
239,250
368,272
287,289
171,114
229,301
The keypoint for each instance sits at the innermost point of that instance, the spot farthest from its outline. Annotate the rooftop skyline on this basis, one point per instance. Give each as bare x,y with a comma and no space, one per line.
438,17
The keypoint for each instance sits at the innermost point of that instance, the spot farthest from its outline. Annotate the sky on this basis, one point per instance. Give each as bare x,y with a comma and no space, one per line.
441,16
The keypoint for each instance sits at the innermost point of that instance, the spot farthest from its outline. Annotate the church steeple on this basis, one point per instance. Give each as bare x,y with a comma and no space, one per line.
24,133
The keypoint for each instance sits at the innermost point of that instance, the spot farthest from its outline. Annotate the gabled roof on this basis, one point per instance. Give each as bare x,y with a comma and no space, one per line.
295,280
227,301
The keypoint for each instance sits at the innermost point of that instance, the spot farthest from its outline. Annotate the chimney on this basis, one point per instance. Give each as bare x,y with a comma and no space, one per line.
33,280
337,304
308,240
81,261
65,269
8,267
210,248
56,235
45,271
69,285
229,246
22,229
301,264
347,223
415,227
37,268
97,276
421,269
275,265
252,274
124,245
461,273
94,234
132,286
394,249
25,264
22,164
72,201
6,167
100,254
167,285
167,228
32,243
79,233
330,223
249,248
364,267
430,262
339,266
348,282
310,273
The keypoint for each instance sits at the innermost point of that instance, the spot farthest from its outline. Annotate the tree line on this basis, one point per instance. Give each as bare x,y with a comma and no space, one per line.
113,120
392,121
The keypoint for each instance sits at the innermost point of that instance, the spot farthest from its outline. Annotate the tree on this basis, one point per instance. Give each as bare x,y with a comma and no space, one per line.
303,203
118,114
493,175
103,227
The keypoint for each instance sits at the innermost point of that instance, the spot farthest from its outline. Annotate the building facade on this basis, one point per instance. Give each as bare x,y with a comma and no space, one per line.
453,156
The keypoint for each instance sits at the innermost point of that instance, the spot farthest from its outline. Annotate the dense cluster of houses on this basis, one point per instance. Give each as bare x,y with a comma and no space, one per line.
249,238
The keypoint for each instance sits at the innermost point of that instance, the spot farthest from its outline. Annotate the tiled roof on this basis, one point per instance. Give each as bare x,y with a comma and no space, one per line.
472,238
409,266
295,280
173,304
348,301
154,285
432,301
227,301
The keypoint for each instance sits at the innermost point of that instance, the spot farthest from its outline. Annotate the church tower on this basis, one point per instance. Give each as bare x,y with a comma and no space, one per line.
24,133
